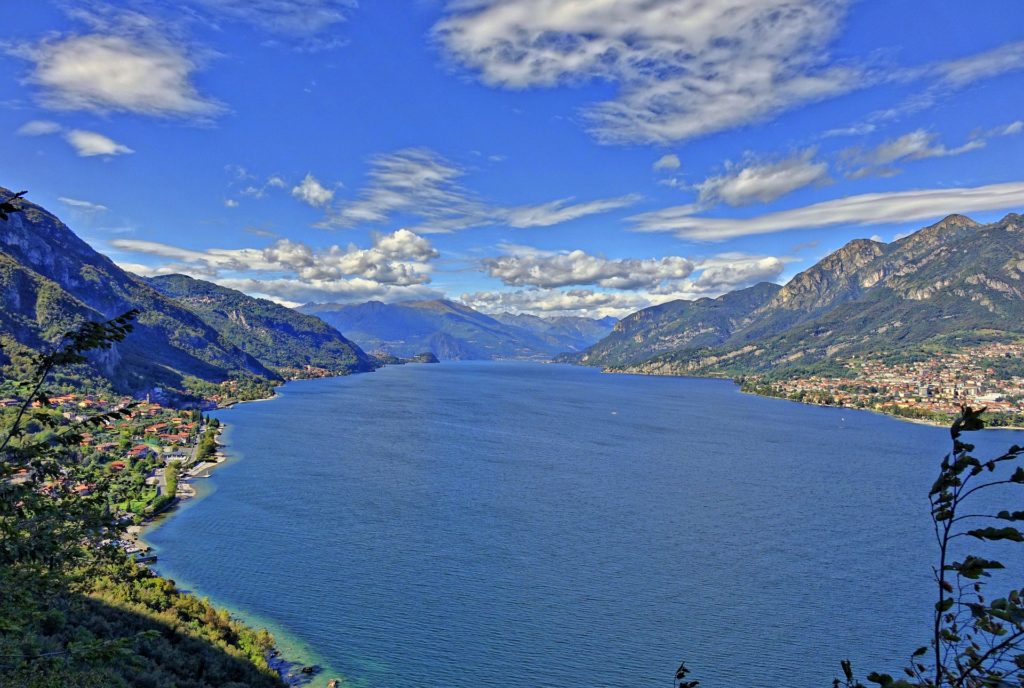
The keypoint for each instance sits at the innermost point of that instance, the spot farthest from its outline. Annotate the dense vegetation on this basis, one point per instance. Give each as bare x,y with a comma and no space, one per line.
278,337
75,610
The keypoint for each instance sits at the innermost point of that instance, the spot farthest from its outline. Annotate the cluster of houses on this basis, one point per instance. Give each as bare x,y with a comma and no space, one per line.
936,385
155,432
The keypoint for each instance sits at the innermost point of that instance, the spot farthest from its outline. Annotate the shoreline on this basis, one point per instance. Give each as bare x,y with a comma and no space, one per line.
292,673
896,416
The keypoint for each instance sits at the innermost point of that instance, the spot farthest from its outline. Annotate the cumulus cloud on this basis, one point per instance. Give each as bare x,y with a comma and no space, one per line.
729,271
356,289
669,161
859,210
91,143
683,68
762,182
289,268
586,302
916,145
311,191
85,206
38,127
138,71
615,286
230,203
420,183
547,270
716,280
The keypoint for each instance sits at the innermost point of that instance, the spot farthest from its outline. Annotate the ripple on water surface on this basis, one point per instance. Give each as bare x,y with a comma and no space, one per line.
513,524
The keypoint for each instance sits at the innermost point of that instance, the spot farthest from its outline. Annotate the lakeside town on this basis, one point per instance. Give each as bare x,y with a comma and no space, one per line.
932,388
147,458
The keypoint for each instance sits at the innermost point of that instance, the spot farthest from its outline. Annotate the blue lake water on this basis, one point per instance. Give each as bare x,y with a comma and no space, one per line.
469,525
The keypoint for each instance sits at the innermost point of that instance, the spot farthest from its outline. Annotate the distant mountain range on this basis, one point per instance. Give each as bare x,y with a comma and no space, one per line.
453,331
953,283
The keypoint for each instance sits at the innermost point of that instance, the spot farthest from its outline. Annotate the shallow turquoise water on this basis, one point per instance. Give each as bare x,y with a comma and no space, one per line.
517,524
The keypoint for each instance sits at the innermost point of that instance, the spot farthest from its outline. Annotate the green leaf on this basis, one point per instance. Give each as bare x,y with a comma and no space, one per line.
974,567
1011,515
1007,533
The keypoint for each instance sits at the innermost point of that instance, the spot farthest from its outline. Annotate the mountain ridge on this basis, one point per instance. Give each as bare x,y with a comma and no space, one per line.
450,330
952,279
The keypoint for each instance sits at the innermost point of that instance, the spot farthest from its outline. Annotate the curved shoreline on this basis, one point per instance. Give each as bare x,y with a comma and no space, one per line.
286,645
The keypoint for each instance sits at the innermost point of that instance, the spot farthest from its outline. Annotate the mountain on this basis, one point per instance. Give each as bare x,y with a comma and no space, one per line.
449,330
51,280
951,283
280,338
564,333
675,325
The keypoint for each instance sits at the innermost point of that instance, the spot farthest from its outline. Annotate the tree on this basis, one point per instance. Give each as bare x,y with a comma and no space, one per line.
45,526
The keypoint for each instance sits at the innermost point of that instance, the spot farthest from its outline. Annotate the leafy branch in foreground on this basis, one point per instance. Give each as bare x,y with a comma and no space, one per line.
976,642
11,205
44,526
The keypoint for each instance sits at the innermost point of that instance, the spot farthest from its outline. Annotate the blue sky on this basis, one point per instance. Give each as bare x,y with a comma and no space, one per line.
543,156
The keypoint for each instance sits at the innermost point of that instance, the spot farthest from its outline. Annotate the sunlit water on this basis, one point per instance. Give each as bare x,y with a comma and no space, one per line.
467,525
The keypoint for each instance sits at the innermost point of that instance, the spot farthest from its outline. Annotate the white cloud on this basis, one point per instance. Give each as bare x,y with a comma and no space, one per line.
852,130
762,181
421,183
540,269
85,206
274,182
916,145
669,161
733,270
299,18
949,77
414,181
863,209
297,271
617,286
557,212
554,301
1005,58
353,290
139,72
230,203
311,191
90,143
720,276
38,127
1013,128
683,68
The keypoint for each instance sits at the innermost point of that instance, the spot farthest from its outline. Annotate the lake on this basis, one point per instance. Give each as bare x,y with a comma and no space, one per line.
467,525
